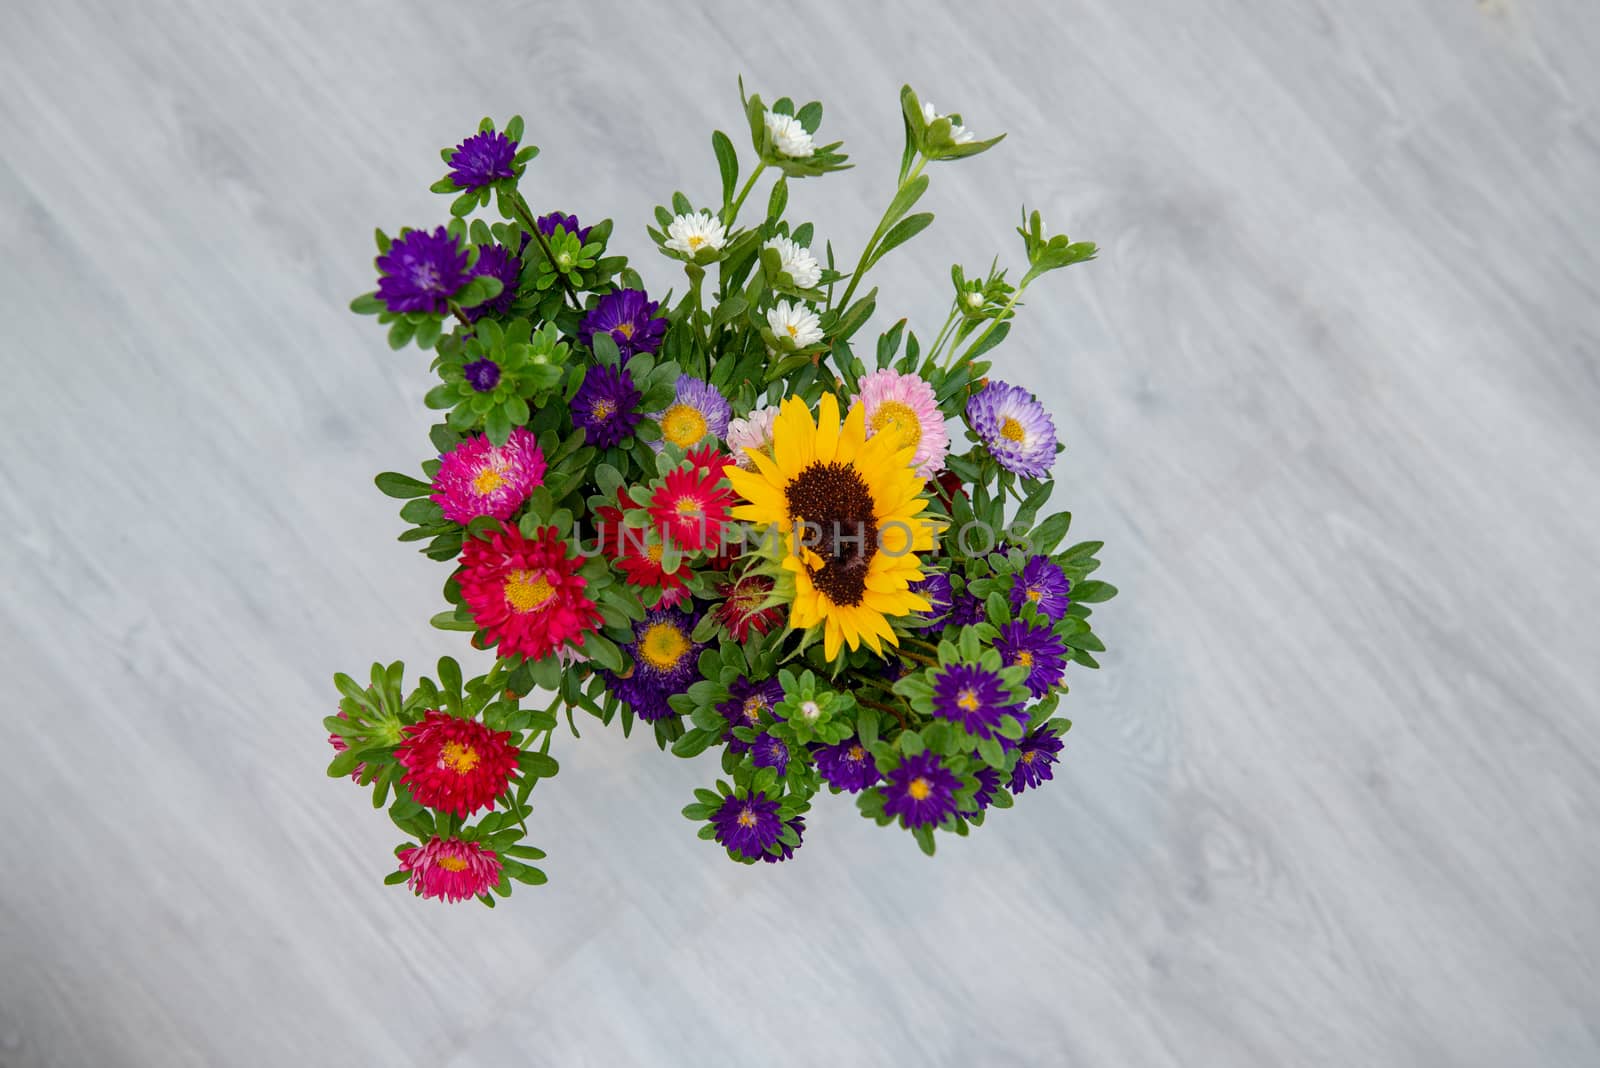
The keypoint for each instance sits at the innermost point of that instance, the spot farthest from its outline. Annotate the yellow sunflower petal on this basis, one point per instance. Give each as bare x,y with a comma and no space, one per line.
827,441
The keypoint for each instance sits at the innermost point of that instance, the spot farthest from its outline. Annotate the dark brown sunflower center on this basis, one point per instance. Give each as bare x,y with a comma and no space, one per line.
835,505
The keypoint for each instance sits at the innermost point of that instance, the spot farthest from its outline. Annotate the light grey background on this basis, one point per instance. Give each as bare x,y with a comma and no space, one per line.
1329,397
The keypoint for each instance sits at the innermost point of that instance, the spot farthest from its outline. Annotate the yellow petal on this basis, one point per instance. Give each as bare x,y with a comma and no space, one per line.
827,429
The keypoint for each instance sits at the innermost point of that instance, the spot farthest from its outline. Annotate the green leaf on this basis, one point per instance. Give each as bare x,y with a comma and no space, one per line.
778,200
693,743
402,487
727,164
449,621
902,232
989,341
367,304
907,195
1093,591
539,765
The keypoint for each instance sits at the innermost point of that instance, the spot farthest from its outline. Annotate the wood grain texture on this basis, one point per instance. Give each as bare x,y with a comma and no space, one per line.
1329,397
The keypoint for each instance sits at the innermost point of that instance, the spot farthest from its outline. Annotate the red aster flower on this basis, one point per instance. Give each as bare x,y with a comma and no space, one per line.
450,869
743,612
707,458
691,507
526,592
640,561
951,484
455,765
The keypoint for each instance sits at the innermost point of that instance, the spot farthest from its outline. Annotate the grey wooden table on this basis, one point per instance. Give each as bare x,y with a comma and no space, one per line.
1329,397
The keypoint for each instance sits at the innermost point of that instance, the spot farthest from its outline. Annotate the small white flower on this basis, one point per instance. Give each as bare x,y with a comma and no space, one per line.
798,261
797,322
974,299
691,233
788,136
958,134
809,711
753,432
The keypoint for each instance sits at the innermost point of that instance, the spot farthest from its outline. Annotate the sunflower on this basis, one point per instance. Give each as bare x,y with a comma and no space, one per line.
846,508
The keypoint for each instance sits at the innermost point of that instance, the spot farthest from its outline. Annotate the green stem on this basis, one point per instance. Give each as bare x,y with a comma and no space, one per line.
944,331
877,235
531,225
881,707
1004,316
732,210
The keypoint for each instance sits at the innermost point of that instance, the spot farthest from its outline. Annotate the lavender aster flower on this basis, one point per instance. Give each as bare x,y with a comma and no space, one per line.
1038,752
1045,585
629,317
920,791
1036,648
1015,429
771,753
482,375
747,702
496,261
422,271
606,406
785,850
697,410
935,589
973,697
847,766
482,158
547,226
747,825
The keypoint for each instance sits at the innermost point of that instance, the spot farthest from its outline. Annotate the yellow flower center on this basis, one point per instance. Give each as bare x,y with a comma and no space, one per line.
694,241
452,864
753,707
683,425
527,590
688,506
793,330
967,701
1025,658
487,481
747,818
604,408
899,420
920,788
1027,758
625,329
1012,430
1034,595
662,646
458,758
857,753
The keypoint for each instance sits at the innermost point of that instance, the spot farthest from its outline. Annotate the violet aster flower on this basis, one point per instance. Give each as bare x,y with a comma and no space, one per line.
920,791
965,610
747,825
1015,429
606,406
547,226
481,159
629,317
664,662
482,375
747,702
1038,752
1036,648
1045,585
988,785
496,261
422,271
847,766
697,410
771,753
786,850
973,697
935,589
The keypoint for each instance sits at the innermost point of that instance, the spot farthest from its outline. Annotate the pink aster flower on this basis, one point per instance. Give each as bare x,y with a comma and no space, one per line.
754,431
476,478
904,405
450,869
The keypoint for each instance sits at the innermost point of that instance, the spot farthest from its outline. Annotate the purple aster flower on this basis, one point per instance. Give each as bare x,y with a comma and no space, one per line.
785,850
547,226
648,703
920,791
771,753
747,825
1015,429
482,158
965,610
935,588
747,701
422,271
697,410
606,406
629,317
665,658
482,375
973,697
1043,583
988,784
496,261
1038,752
847,765
1036,648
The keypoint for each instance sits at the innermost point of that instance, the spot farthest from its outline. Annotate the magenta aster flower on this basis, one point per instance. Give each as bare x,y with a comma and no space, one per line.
477,478
422,271
973,697
1015,429
547,226
904,406
847,766
450,869
920,791
1038,752
1036,648
496,261
455,765
629,317
1045,585
606,406
697,410
483,158
747,825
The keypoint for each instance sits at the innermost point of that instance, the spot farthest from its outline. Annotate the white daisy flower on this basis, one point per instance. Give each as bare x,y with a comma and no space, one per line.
798,261
795,321
691,233
788,136
958,134
753,432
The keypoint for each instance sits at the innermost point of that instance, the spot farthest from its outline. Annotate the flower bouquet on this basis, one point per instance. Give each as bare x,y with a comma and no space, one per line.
722,515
